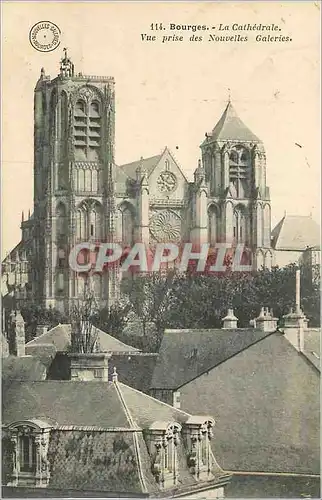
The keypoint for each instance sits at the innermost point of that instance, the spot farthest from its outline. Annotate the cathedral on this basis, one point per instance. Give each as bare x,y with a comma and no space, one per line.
80,194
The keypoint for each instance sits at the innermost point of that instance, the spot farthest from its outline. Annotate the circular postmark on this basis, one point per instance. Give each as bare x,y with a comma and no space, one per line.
44,36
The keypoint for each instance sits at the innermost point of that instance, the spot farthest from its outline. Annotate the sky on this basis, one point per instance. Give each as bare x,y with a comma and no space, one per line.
170,94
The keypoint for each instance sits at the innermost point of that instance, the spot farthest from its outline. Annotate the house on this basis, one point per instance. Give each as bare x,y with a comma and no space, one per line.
261,385
102,438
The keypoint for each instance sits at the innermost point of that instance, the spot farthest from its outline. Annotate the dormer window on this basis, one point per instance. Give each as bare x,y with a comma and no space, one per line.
163,441
27,453
28,444
198,434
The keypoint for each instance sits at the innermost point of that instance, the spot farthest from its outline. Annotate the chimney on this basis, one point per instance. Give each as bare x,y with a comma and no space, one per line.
230,321
89,366
41,329
295,323
266,321
18,340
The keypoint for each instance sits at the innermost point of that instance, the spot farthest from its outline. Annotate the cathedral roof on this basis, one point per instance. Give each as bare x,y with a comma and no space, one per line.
231,127
295,232
148,165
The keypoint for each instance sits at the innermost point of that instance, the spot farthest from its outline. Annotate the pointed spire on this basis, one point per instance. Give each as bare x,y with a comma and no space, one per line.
66,65
229,95
22,216
231,127
199,173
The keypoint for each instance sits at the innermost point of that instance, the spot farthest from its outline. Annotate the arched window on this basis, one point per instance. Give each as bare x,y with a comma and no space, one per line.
28,446
94,181
244,157
88,180
127,226
260,261
212,225
240,225
81,224
268,260
87,130
96,221
239,170
81,180
233,157
163,441
80,108
95,109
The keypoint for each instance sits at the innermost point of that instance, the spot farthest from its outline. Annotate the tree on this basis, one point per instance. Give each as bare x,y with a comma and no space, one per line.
83,334
114,319
149,297
35,315
196,300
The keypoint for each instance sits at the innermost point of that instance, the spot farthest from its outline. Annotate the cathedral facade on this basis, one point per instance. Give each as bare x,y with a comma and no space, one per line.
80,194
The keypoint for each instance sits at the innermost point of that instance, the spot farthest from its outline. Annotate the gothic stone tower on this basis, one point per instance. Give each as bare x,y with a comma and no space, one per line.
238,199
73,177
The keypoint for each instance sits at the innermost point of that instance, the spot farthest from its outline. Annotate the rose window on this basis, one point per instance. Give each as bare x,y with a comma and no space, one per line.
165,226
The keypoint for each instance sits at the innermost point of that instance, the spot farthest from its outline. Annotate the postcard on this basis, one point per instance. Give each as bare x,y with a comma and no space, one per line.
161,249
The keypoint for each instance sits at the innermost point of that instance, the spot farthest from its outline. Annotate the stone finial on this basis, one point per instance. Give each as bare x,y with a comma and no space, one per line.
114,375
230,321
266,321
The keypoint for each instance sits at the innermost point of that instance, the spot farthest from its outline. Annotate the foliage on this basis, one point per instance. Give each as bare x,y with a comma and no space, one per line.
35,315
112,320
193,300
155,301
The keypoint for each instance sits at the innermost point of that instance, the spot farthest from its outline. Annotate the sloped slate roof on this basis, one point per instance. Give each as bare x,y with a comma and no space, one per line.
186,354
145,409
312,349
295,232
266,404
135,370
68,402
148,164
81,454
76,403
231,127
24,368
96,461
60,337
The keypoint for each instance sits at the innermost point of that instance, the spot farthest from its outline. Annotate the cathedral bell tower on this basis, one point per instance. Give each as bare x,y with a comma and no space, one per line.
239,207
74,122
